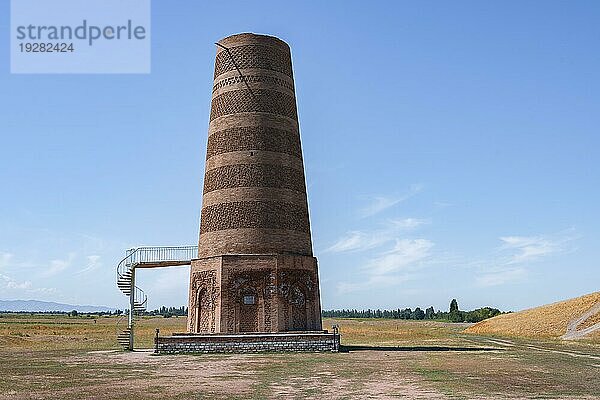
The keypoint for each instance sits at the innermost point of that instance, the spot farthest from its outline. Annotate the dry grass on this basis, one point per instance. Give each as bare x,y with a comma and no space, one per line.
59,332
57,357
549,321
383,332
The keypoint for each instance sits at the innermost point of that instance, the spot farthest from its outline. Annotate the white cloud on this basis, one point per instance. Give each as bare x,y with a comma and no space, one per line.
518,251
57,266
92,264
9,283
366,240
390,268
357,241
5,259
408,223
22,287
532,248
404,253
501,277
378,204
381,203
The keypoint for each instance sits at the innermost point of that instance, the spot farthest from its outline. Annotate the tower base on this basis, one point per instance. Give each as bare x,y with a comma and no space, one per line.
233,294
249,343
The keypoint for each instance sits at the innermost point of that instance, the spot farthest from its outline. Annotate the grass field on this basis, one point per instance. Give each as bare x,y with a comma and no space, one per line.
76,358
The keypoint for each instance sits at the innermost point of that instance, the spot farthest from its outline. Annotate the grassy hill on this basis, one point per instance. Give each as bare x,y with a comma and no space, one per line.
548,321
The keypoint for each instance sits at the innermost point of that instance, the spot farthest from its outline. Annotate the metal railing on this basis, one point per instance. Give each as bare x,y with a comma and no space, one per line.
121,323
146,255
141,255
139,299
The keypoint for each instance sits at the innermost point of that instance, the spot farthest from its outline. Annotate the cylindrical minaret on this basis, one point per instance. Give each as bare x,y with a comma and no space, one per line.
255,271
254,199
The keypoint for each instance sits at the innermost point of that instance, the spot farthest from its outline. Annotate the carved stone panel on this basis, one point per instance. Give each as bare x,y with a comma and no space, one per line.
297,289
205,293
250,317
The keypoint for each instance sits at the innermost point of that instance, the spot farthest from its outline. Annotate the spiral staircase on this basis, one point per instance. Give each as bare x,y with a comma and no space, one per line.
144,257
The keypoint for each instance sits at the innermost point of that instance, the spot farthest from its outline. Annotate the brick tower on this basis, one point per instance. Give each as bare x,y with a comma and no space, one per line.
255,270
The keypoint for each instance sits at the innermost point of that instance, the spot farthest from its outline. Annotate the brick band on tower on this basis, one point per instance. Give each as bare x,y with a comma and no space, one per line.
255,271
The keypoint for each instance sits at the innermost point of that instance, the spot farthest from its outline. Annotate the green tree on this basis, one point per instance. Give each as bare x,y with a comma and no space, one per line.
453,305
429,313
418,314
455,315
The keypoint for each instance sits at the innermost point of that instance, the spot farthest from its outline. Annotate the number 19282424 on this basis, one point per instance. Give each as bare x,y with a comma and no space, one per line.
46,47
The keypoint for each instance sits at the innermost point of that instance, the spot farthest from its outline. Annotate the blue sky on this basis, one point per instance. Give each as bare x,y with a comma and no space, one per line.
451,150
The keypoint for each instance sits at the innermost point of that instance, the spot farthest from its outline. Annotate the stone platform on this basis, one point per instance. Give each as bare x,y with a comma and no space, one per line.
319,341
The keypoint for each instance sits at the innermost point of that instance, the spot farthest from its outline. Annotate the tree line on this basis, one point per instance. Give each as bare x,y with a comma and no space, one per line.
168,312
164,311
452,315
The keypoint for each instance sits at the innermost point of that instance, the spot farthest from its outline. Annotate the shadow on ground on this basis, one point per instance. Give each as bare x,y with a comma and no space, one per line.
351,348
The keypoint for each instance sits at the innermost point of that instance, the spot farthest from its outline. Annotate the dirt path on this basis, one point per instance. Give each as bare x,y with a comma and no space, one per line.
509,343
357,375
573,333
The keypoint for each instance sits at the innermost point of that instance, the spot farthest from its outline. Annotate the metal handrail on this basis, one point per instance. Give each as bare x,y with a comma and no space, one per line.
141,255
149,254
139,298
120,322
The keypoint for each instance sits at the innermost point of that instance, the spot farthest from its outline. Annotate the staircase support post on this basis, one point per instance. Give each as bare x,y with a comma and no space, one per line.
131,308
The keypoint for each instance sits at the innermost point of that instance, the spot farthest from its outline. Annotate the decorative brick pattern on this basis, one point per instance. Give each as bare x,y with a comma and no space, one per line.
253,56
257,282
204,299
297,287
285,289
235,80
261,100
254,138
254,214
254,175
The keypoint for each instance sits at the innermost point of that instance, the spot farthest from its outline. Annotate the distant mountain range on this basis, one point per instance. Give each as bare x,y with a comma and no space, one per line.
43,306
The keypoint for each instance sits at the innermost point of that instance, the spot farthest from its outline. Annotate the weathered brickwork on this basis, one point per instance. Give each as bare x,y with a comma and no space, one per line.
252,282
255,271
297,287
254,175
254,138
255,157
284,290
252,119
202,305
237,80
254,214
254,193
303,342
254,241
267,101
253,56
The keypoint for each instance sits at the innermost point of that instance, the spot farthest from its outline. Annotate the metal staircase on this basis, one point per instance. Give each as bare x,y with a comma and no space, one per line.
144,257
